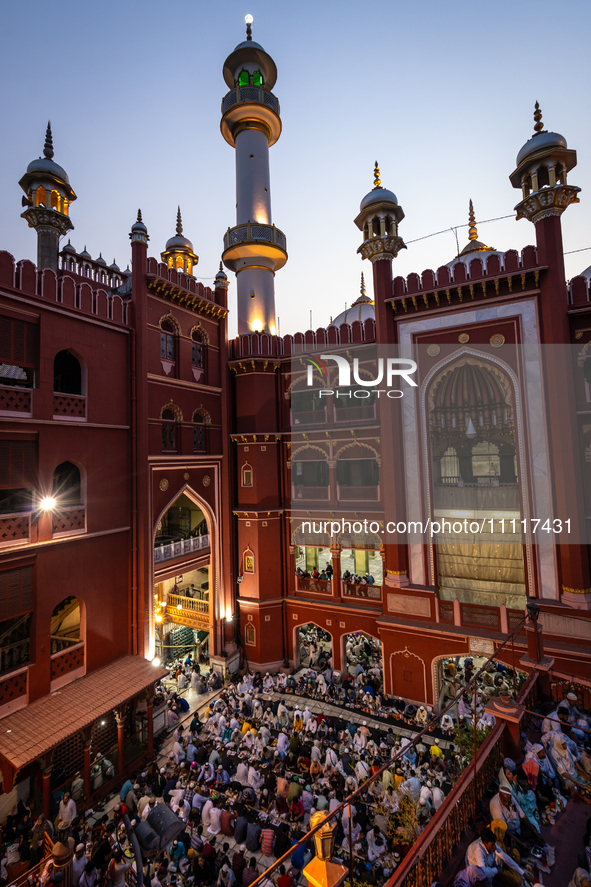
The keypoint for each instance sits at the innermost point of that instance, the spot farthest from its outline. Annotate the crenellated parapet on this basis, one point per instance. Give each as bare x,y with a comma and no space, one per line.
176,286
498,275
265,345
62,289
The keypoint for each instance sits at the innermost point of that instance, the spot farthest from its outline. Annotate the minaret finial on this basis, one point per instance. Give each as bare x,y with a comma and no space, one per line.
473,233
139,217
179,222
539,127
363,293
48,149
249,20
377,183
221,267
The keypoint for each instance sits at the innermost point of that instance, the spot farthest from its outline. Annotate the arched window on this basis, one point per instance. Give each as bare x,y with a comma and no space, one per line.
450,467
167,349
243,78
65,625
198,349
257,79
199,442
67,374
169,431
247,475
486,463
66,485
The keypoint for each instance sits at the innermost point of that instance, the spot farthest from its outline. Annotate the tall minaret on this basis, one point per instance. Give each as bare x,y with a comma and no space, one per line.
255,249
47,201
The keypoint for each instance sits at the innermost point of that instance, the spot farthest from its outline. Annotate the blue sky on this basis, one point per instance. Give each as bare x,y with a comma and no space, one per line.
441,94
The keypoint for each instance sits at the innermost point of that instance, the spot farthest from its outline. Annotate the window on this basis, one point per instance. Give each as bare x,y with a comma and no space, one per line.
310,474
197,350
16,592
198,433
18,353
243,78
257,78
167,340
168,431
66,485
67,374
16,633
358,473
65,625
247,475
18,475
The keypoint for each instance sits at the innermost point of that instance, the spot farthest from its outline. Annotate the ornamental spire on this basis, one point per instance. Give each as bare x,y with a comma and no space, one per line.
179,222
249,20
539,126
376,176
473,233
139,217
363,293
48,148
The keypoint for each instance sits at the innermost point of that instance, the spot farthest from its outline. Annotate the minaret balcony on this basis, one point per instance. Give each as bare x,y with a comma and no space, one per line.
254,240
250,94
246,107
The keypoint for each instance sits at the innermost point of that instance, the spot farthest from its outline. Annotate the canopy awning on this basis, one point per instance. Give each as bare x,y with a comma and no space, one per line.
31,732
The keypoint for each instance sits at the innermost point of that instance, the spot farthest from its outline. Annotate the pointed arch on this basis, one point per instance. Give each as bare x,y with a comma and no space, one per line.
170,319
172,407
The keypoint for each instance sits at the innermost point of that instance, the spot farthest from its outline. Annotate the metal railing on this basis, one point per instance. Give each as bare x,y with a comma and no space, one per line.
250,94
187,603
254,231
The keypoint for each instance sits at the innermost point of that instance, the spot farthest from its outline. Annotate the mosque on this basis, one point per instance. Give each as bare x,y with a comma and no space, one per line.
158,478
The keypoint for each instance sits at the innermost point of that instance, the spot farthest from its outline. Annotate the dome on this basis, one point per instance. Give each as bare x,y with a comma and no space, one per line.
85,254
541,141
68,248
48,167
178,243
138,226
378,195
363,309
114,266
100,260
474,249
249,44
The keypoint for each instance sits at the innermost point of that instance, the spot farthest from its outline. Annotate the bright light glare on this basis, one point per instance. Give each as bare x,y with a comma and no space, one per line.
228,614
179,606
156,661
257,326
158,618
48,503
248,19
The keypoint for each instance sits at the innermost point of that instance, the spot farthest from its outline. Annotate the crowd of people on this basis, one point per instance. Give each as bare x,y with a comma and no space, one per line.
245,777
510,848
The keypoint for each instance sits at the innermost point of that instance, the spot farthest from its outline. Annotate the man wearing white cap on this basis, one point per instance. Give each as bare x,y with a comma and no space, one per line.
78,864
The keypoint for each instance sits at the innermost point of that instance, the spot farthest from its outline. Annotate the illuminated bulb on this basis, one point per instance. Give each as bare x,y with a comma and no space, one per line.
179,606
48,503
257,326
228,614
156,661
103,723
248,19
158,618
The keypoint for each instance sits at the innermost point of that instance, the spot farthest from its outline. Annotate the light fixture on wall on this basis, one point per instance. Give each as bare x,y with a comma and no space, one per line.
48,503
470,430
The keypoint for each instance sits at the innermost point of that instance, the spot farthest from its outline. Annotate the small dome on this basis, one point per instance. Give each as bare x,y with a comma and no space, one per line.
363,309
68,248
221,275
138,226
378,195
85,254
114,266
50,168
541,141
100,260
178,242
248,44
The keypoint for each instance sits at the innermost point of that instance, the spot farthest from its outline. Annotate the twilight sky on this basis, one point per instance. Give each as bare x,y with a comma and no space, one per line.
441,94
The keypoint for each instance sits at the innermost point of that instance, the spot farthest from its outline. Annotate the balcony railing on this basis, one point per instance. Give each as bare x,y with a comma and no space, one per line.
16,400
309,417
361,413
15,528
367,592
69,406
250,94
187,603
322,586
68,660
254,231
311,493
168,551
68,521
359,494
